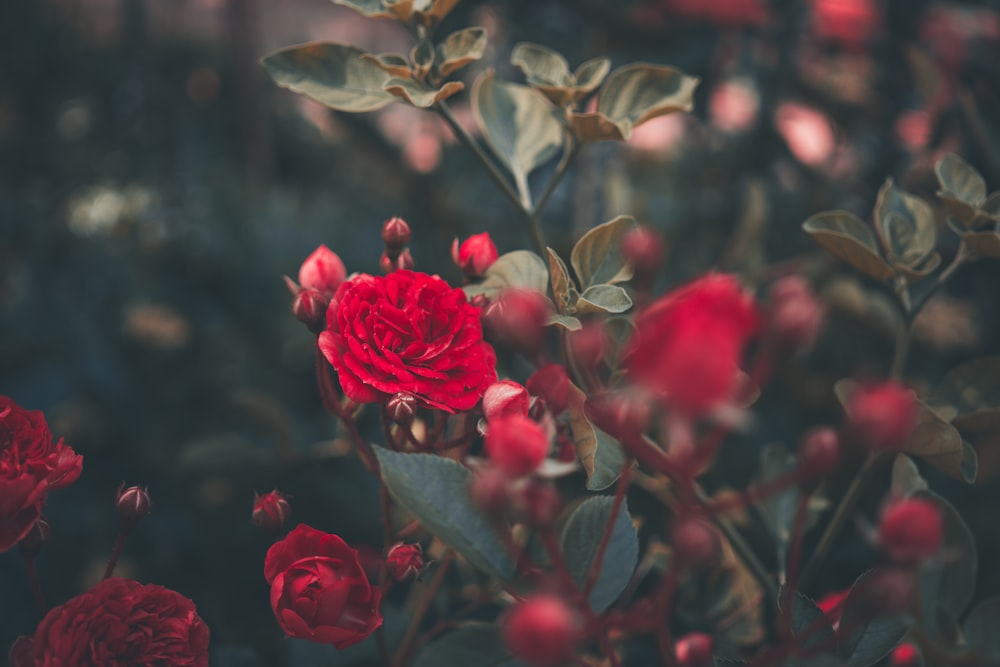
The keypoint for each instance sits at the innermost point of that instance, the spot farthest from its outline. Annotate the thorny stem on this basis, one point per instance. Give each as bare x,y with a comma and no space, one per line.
425,603
602,547
36,586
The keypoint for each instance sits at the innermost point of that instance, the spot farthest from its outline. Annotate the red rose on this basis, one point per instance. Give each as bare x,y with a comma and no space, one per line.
688,345
31,465
122,623
407,332
319,590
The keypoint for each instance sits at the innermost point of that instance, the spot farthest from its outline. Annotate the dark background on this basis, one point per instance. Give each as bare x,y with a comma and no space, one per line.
155,186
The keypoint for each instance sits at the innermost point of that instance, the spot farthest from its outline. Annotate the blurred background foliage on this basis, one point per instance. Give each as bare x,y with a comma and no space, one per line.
155,185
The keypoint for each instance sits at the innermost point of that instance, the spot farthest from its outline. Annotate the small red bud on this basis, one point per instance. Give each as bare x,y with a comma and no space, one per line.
905,655
32,543
271,511
133,504
476,254
695,543
518,319
323,270
516,444
885,592
490,490
538,504
796,313
402,408
395,235
588,345
309,307
542,630
694,650
551,384
644,250
819,453
22,653
883,415
911,530
404,561
504,398
621,414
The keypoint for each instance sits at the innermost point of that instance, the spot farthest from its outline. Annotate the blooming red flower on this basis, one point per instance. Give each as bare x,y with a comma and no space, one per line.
323,270
516,444
476,254
542,630
688,345
319,590
31,465
407,332
883,415
120,623
911,530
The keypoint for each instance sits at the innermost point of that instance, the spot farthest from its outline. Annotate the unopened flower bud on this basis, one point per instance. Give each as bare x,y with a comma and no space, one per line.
271,511
309,307
404,561
538,504
694,650
133,504
905,655
516,444
695,543
819,454
518,319
885,592
644,250
884,415
911,530
22,653
621,414
32,543
796,314
588,345
476,254
395,235
490,490
323,271
542,630
551,384
504,398
403,261
402,408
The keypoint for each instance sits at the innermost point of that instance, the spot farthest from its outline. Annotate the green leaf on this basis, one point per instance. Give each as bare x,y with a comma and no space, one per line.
597,257
421,97
567,322
541,65
778,509
592,127
522,269
972,389
905,224
906,478
392,64
471,644
639,92
580,540
984,244
518,124
950,582
960,180
561,281
849,239
422,57
589,76
865,640
603,299
435,490
938,443
459,49
432,11
371,8
980,627
807,616
332,74
600,455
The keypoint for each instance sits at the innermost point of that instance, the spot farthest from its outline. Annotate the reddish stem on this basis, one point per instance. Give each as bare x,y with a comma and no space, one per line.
595,567
327,387
662,602
36,586
116,553
425,602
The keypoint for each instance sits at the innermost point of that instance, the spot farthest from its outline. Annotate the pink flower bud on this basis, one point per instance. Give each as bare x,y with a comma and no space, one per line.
516,444
271,511
404,561
518,319
796,313
644,250
395,234
402,408
884,592
695,543
883,415
22,653
490,490
911,530
504,398
694,650
309,307
323,271
551,384
133,504
542,630
621,414
476,254
588,345
905,655
819,453
32,543
538,503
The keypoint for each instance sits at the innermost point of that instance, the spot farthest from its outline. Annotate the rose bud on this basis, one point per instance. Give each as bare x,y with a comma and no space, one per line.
910,530
518,319
694,650
551,384
644,250
395,235
490,490
542,630
819,454
620,414
402,408
884,415
883,592
322,271
538,504
404,561
32,543
133,505
905,655
271,511
588,345
695,543
22,653
516,444
476,254
796,314
309,307
503,398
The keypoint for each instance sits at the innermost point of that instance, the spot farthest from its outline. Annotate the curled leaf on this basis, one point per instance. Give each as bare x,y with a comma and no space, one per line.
851,240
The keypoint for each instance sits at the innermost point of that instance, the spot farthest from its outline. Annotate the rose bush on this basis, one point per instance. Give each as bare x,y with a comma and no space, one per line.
118,622
408,332
31,465
319,590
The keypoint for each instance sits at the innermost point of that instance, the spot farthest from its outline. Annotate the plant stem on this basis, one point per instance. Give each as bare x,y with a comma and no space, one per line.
36,586
557,175
425,603
116,553
595,567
